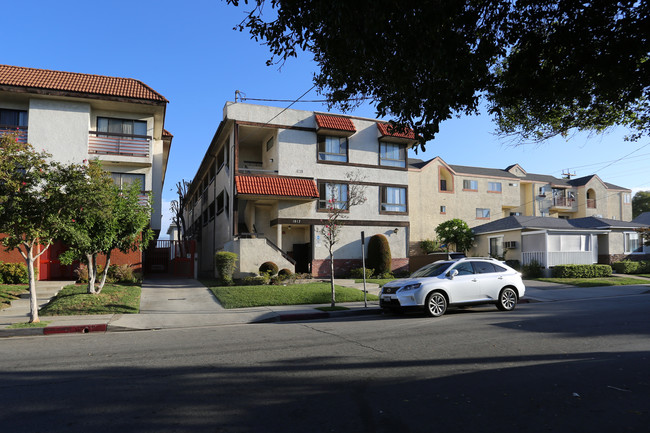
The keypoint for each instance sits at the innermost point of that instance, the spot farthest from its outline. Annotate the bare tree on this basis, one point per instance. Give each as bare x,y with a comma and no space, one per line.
178,208
340,198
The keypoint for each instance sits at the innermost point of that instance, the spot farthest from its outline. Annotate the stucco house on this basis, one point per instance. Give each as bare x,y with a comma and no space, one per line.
556,241
479,195
77,117
262,188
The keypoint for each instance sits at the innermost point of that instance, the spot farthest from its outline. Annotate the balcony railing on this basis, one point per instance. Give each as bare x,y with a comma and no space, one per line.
19,131
563,201
119,144
591,203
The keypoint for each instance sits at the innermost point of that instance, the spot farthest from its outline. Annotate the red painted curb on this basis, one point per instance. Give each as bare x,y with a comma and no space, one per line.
81,329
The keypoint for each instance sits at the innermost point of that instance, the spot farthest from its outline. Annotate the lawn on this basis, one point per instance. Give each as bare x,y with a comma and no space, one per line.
114,298
380,281
294,294
10,292
595,282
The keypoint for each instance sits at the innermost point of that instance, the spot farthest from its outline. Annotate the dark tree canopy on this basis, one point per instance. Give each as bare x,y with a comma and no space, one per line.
544,67
640,203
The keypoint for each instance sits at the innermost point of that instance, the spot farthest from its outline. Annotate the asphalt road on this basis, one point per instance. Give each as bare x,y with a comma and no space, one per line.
580,366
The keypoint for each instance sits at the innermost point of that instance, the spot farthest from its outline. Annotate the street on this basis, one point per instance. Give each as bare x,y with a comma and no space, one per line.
545,367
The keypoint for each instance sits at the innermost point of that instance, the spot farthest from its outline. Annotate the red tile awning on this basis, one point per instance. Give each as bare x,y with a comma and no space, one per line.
336,123
383,131
276,186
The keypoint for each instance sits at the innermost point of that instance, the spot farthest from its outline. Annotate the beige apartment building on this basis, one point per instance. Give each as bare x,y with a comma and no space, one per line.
439,191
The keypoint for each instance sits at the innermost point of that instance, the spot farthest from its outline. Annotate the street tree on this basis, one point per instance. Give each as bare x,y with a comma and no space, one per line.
108,218
456,233
640,203
339,199
543,68
178,209
34,204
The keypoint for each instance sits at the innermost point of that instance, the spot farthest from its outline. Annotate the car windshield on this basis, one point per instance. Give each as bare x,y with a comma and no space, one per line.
432,270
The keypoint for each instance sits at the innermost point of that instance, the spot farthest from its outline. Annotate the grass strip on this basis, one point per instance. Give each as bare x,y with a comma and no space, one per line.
73,300
294,294
380,281
28,325
595,282
10,292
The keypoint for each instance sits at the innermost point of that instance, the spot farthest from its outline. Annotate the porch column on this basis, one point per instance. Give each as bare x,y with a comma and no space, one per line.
546,250
279,236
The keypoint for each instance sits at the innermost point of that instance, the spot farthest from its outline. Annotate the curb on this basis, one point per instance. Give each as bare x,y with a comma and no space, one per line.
82,329
296,317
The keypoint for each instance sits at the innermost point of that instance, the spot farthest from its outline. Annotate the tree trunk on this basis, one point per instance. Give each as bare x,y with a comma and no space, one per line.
105,273
33,301
332,278
92,273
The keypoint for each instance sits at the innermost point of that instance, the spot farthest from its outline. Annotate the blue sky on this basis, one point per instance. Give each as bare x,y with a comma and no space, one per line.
189,52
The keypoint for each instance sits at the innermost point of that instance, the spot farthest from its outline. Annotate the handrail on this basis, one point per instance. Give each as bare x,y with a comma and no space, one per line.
278,249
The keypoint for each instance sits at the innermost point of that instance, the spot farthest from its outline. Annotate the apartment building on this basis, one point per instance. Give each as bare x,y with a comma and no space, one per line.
264,183
479,195
77,117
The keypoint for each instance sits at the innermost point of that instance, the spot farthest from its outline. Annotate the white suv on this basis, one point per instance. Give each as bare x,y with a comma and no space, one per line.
466,281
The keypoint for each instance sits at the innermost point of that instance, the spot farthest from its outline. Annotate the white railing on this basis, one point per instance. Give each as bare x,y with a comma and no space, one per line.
119,144
558,258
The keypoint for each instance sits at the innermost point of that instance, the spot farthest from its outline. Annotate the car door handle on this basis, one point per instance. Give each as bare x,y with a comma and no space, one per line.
501,277
474,280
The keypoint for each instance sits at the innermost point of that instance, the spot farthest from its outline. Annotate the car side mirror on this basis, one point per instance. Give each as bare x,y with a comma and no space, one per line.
451,274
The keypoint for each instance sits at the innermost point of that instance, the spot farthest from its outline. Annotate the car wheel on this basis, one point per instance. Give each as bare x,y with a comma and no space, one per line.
507,299
436,304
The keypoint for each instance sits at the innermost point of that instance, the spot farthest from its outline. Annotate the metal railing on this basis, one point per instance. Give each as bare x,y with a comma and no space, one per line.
563,201
119,144
591,203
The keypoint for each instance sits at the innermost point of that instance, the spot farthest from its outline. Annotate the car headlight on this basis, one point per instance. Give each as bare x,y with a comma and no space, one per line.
410,287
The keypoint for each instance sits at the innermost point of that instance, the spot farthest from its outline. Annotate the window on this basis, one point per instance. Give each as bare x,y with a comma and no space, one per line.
482,213
13,118
443,209
484,267
471,185
205,217
211,211
212,173
121,126
335,194
494,186
627,198
332,148
464,268
496,246
123,180
633,243
269,144
443,184
392,154
516,214
220,202
393,199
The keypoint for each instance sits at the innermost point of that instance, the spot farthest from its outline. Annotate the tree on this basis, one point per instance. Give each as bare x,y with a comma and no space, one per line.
178,212
108,218
455,232
379,257
544,67
640,203
34,203
339,201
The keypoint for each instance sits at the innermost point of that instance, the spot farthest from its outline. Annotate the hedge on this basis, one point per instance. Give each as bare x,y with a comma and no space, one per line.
582,271
379,257
631,267
15,273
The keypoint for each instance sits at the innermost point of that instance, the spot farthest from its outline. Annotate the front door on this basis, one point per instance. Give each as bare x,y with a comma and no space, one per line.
51,268
302,256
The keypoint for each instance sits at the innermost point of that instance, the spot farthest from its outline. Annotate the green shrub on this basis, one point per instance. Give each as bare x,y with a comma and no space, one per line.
268,268
379,257
386,276
357,273
255,281
626,267
121,274
14,273
532,269
430,246
224,262
514,264
82,273
582,271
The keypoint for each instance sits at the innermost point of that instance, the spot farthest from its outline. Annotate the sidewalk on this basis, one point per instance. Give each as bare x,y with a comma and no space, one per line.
186,303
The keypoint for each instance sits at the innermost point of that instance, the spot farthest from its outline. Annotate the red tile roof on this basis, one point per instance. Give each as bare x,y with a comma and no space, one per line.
166,133
77,83
335,122
276,186
383,130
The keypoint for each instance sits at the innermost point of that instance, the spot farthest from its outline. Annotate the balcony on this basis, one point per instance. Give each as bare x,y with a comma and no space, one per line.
103,143
19,131
563,202
591,203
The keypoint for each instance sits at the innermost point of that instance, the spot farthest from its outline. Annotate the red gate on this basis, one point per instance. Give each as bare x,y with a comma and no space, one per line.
171,257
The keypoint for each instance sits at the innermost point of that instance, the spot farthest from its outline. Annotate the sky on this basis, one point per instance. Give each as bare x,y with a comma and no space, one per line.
189,53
